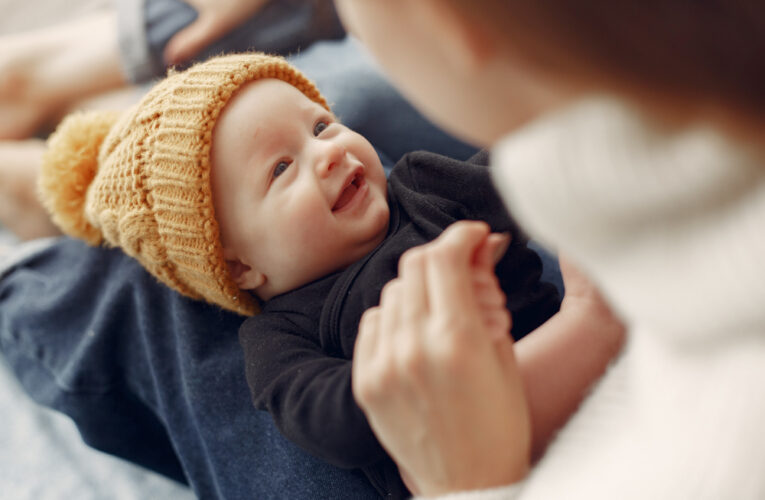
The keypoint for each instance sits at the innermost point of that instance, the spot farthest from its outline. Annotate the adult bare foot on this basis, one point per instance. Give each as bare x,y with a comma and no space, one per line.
20,209
42,72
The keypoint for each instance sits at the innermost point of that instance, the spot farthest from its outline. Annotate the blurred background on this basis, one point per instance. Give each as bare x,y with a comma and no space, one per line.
42,456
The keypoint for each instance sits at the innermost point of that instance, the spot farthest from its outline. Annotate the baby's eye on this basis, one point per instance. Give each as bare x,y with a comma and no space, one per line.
320,126
280,168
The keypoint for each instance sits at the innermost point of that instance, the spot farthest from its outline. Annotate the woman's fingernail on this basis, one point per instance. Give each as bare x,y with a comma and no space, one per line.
503,242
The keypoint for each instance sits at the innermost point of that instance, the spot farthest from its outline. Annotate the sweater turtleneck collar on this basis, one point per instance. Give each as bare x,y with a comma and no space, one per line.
668,223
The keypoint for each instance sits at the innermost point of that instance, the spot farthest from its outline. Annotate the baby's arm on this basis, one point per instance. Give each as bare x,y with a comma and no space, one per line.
307,392
562,358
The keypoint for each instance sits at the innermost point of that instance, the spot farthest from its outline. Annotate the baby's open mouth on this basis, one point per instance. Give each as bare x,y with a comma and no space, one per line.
349,192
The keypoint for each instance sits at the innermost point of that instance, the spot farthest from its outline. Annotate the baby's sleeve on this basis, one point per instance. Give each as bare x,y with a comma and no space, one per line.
307,392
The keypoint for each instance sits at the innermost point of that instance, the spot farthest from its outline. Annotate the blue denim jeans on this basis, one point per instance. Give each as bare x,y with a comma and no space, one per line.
280,27
150,376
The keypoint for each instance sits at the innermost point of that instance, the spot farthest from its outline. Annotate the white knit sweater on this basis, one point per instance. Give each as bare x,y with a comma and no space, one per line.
671,226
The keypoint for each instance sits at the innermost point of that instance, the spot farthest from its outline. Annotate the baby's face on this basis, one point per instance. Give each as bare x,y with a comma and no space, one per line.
297,195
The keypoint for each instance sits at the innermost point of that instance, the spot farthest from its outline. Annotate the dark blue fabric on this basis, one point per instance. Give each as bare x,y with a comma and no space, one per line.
150,376
281,27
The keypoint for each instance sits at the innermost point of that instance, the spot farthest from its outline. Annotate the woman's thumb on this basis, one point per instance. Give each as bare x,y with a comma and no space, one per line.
189,41
491,251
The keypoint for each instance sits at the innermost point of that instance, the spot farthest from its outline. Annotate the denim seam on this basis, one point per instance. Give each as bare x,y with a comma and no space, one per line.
53,374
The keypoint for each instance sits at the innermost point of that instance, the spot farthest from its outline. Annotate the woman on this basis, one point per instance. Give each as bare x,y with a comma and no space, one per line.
648,172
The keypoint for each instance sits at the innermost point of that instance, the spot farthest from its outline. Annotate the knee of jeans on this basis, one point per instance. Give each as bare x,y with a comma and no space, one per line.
40,360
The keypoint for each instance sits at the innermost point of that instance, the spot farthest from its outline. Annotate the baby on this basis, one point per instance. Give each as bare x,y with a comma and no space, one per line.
232,182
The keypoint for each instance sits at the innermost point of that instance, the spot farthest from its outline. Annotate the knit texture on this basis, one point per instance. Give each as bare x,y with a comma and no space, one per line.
141,180
669,225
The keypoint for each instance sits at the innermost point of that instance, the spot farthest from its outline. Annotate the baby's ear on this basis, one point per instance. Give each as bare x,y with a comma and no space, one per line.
245,277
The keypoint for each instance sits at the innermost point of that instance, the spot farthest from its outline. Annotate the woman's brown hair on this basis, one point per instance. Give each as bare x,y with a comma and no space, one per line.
693,52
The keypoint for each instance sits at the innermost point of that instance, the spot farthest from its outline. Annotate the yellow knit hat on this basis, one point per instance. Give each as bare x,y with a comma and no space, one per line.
141,180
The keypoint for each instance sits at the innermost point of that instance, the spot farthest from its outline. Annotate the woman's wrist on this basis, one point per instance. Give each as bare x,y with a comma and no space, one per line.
500,473
505,492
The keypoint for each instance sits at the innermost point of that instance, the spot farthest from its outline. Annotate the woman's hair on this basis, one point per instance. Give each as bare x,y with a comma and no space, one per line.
689,51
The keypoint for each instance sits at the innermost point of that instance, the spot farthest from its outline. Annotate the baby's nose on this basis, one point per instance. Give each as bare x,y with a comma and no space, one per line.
331,155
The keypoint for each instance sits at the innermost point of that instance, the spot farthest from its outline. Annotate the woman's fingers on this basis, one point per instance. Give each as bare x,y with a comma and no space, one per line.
367,340
390,307
367,351
425,370
448,269
488,255
215,18
412,274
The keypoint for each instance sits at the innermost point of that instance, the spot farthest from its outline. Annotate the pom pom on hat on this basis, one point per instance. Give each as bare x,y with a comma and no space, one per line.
69,165
141,180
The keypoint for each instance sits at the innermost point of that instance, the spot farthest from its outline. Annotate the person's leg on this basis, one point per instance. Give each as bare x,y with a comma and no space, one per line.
281,27
46,71
20,209
150,376
42,72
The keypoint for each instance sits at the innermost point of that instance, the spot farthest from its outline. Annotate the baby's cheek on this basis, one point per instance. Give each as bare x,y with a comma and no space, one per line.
309,230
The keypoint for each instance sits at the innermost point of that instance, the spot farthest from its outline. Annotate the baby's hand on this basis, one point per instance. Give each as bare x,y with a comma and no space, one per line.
489,296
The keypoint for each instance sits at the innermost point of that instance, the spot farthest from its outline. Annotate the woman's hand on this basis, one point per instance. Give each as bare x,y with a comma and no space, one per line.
489,297
440,390
214,19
